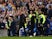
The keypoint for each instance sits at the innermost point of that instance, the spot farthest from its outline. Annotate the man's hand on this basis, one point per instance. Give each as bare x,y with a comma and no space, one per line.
48,25
41,25
33,14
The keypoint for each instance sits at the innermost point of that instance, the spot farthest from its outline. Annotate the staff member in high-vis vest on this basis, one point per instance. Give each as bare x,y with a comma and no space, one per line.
27,26
36,22
32,19
12,26
41,22
8,24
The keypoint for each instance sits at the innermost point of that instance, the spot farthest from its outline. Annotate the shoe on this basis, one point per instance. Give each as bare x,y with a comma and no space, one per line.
31,36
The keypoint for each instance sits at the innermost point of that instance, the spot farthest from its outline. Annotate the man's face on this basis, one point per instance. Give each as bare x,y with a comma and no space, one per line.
10,19
30,12
39,11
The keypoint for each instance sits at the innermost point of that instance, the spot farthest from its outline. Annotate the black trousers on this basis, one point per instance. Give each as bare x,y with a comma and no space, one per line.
31,29
9,32
40,29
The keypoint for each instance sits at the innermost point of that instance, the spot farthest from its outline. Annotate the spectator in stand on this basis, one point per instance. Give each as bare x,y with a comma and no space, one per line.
49,12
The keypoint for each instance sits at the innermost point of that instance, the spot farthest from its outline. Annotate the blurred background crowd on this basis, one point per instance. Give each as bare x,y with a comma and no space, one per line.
25,17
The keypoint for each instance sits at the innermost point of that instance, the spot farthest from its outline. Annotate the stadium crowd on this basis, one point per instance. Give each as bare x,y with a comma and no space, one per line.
25,17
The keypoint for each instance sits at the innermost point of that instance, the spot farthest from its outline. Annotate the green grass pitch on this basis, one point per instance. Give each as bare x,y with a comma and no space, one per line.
38,37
